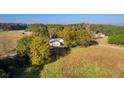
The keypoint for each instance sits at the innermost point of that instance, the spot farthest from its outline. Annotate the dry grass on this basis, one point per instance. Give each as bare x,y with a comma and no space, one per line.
88,62
103,40
8,41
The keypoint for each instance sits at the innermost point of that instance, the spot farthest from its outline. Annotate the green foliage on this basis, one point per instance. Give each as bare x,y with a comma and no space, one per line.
68,36
40,51
53,29
116,39
40,31
83,37
55,70
107,29
74,37
23,45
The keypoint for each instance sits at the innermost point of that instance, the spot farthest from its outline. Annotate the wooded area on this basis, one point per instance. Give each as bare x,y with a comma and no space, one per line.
52,28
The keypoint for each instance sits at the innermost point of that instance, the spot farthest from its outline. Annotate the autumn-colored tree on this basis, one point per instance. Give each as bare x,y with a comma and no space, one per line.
83,37
40,30
69,36
74,36
23,45
39,51
53,29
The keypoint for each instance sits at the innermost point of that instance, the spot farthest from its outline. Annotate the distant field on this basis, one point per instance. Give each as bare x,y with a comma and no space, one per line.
8,41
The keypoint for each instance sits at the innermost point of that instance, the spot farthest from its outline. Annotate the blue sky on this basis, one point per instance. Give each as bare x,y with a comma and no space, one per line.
113,19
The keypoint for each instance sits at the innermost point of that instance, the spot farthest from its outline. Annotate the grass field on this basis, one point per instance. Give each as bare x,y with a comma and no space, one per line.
116,39
103,41
88,62
8,41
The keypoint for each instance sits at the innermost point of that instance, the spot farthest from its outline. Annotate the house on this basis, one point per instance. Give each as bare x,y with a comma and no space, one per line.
56,42
98,35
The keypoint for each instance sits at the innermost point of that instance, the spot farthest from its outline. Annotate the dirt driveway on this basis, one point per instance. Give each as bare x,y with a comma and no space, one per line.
104,43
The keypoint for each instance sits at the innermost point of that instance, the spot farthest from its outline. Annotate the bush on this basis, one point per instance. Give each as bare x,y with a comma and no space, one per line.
116,39
40,51
23,45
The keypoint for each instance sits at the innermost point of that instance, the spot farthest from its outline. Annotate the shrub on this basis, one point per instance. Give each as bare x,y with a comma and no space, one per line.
116,39
23,45
40,51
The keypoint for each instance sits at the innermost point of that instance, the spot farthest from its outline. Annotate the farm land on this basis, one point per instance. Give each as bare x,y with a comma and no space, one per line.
93,61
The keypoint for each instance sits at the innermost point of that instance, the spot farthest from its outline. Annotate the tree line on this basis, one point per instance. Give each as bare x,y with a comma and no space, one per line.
12,26
55,28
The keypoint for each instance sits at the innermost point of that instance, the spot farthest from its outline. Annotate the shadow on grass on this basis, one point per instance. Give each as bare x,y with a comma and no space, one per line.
29,72
58,52
19,66
10,65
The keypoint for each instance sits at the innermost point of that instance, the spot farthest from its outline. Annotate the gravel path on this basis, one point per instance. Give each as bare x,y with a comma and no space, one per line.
110,46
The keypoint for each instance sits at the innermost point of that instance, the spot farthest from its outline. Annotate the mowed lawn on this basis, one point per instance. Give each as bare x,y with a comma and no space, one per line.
89,62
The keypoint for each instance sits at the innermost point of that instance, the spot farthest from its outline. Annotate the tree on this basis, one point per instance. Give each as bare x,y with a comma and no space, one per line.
83,37
69,36
53,29
75,36
12,26
40,30
40,51
23,45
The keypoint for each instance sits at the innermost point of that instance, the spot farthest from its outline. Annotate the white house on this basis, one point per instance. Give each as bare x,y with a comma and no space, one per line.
56,42
98,35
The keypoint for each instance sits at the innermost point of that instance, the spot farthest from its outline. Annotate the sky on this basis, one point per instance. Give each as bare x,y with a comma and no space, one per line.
112,19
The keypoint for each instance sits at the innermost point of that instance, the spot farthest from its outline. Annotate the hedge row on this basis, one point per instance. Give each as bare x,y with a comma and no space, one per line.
116,39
